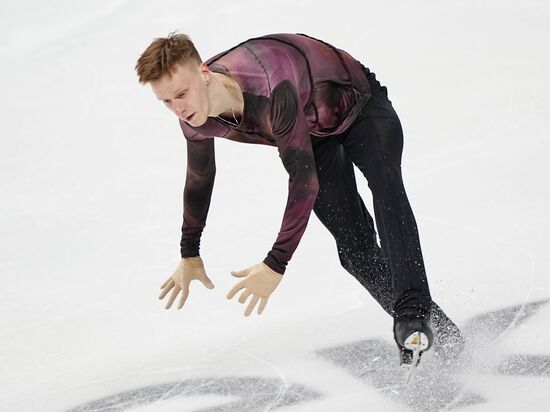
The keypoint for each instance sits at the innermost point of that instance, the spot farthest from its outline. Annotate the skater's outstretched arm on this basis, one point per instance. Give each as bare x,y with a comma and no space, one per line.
199,182
289,128
292,138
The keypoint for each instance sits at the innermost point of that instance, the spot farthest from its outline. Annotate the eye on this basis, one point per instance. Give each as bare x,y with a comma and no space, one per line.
166,101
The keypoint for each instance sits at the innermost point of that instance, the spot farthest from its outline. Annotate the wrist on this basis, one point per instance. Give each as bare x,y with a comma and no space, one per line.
191,261
271,271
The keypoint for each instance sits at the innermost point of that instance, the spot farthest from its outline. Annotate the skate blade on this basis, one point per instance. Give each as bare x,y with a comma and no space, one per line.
414,345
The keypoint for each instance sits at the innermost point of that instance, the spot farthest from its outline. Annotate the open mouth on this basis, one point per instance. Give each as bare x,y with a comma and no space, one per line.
188,118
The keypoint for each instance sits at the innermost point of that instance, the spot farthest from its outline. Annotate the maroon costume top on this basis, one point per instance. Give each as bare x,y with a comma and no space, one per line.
293,86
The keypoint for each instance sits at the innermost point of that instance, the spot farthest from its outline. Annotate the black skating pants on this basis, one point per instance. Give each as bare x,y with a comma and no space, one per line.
394,273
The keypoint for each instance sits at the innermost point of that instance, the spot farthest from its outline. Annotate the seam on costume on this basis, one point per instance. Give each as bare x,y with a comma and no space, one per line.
224,66
406,262
261,64
386,178
288,43
310,75
336,51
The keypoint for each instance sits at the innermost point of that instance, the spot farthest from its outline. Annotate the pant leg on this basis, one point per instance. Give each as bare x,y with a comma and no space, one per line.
342,211
374,143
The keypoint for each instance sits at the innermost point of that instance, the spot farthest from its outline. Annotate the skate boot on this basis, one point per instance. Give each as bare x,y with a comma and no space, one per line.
411,331
413,336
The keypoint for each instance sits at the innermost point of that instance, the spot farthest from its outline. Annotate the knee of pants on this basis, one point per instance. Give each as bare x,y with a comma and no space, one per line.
387,186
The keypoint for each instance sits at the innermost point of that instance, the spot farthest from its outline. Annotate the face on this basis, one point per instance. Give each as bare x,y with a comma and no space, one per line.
185,93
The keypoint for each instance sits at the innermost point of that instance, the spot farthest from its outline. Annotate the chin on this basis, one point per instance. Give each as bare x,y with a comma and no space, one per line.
196,121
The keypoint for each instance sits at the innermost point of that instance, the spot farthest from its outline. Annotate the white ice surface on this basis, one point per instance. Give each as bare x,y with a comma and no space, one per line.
91,177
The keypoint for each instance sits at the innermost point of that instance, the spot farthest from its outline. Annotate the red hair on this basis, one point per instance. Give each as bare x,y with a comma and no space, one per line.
162,56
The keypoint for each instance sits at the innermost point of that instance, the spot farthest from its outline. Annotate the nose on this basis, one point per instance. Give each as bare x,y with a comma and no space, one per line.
178,107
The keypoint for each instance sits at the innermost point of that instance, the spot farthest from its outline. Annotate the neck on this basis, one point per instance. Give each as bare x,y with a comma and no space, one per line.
225,96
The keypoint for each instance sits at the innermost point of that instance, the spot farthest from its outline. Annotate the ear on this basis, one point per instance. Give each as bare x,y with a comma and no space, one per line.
205,72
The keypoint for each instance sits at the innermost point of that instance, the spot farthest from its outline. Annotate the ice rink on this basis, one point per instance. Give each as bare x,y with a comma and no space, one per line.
91,179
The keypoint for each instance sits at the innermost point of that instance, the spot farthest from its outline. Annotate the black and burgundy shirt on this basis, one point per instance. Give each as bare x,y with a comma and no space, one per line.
293,86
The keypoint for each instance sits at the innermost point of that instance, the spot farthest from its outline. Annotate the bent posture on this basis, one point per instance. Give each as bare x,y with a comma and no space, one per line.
324,112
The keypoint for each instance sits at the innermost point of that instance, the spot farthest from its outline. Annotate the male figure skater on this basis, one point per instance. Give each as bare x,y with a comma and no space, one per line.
324,112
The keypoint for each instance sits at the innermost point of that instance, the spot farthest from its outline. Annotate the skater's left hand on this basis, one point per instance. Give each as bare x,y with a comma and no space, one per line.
260,281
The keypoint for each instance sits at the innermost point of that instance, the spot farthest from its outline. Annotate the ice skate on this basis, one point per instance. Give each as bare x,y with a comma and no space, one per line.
413,338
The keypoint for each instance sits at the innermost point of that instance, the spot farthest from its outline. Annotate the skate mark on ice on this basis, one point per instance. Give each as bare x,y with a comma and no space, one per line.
252,393
492,325
376,362
522,365
436,386
486,330
283,382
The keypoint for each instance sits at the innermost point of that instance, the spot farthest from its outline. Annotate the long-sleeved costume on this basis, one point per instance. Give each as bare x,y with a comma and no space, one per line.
325,112
293,87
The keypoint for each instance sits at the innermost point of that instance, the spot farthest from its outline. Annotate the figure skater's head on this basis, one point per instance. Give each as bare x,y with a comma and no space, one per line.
178,77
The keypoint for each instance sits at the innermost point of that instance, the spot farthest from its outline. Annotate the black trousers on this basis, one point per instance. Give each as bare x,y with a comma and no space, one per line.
393,272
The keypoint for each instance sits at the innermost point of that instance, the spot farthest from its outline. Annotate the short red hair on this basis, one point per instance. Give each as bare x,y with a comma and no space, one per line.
162,56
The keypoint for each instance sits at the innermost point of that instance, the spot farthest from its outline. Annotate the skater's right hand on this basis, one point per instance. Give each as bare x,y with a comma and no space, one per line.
188,269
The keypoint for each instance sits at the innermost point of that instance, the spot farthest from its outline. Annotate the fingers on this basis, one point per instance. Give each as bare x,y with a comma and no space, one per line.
235,289
244,296
262,305
240,273
173,297
167,288
251,305
181,286
183,297
167,281
206,282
